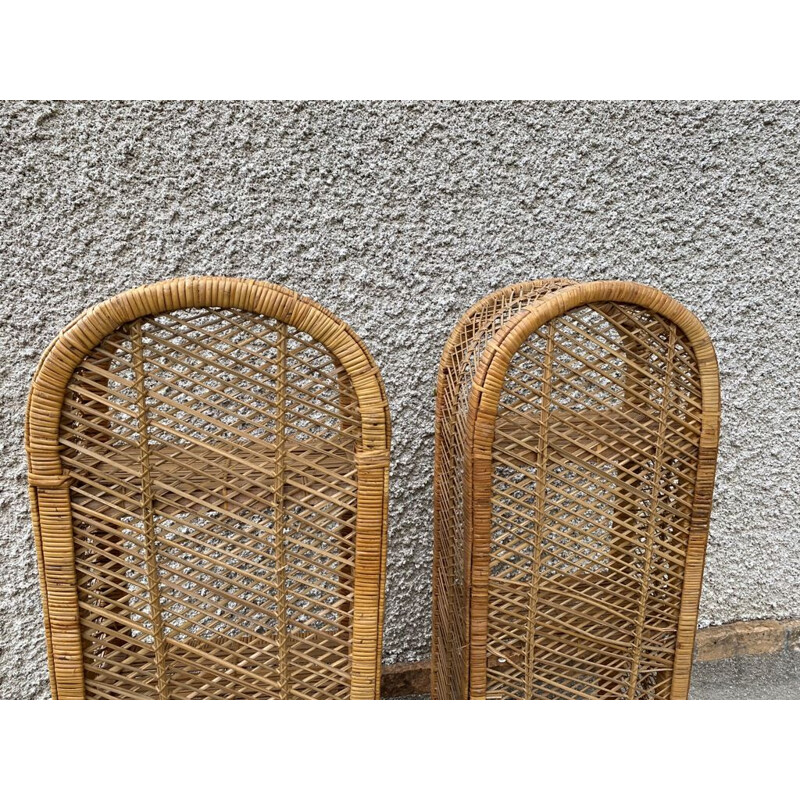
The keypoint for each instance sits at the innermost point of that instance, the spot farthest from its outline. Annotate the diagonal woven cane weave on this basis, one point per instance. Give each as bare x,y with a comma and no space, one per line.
208,462
459,361
573,490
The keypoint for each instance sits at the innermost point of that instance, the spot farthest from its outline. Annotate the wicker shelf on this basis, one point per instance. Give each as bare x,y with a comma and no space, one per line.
233,475
576,436
208,463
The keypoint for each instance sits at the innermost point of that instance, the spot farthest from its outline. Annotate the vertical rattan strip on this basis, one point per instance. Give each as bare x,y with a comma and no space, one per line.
651,521
60,601
541,496
54,514
369,575
280,520
148,516
701,514
34,501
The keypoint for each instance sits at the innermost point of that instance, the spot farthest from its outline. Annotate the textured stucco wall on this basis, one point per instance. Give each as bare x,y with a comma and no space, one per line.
398,217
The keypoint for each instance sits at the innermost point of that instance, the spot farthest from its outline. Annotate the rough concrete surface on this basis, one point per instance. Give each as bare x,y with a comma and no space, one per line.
766,677
398,217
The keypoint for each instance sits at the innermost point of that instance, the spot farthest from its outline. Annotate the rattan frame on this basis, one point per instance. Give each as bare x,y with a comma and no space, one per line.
461,672
49,483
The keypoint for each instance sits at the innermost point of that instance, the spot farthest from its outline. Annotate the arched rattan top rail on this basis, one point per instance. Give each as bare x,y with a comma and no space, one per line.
479,481
317,363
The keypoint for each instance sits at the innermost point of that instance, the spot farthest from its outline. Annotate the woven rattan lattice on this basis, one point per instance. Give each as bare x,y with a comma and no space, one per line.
208,468
576,442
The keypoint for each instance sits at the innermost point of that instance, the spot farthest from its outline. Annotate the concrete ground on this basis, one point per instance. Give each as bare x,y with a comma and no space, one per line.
762,677
775,676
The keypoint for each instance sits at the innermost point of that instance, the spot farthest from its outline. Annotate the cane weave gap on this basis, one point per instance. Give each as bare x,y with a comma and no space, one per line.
576,444
208,468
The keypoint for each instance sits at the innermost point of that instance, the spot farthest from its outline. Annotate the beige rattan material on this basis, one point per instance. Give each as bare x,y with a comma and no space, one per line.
573,490
459,361
209,469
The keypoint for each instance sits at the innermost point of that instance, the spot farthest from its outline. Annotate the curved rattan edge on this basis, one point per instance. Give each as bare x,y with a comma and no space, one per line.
446,360
50,506
483,405
445,365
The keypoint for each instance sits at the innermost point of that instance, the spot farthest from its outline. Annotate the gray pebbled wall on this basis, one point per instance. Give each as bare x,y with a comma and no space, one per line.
398,217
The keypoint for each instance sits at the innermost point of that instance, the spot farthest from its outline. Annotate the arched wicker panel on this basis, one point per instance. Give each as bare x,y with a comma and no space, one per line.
573,492
208,469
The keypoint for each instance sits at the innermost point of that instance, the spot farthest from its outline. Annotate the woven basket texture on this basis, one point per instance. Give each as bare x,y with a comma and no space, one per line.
577,429
208,468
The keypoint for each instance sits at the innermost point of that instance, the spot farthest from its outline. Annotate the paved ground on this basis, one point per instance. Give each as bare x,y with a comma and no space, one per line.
772,677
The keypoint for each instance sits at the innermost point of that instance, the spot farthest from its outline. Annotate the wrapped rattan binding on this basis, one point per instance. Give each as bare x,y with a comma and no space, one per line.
208,465
576,438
